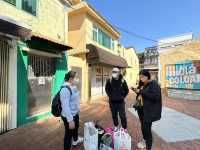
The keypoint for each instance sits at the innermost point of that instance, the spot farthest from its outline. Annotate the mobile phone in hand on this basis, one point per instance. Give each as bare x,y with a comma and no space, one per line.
134,89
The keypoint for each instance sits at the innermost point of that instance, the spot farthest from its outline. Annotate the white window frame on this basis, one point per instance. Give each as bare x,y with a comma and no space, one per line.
95,29
112,44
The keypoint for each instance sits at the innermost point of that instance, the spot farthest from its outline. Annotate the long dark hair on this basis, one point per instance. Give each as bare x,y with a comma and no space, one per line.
146,73
140,84
70,74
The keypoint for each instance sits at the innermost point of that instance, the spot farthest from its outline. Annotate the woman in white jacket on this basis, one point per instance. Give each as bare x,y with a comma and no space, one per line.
70,102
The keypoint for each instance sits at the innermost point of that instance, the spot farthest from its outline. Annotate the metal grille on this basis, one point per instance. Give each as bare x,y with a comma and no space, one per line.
40,75
4,66
40,66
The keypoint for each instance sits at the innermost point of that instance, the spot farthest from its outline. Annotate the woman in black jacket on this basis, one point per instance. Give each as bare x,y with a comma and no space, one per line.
152,106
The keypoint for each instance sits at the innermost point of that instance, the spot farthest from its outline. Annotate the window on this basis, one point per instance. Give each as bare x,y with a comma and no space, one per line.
147,61
156,60
26,5
13,2
29,6
95,33
102,38
106,41
112,44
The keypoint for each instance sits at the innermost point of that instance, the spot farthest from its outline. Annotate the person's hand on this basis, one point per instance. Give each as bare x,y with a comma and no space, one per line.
133,89
71,125
137,90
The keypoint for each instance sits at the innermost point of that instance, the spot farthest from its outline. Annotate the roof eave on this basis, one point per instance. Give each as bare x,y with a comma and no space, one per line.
84,7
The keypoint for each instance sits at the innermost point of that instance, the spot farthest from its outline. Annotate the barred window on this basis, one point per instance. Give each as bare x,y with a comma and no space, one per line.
41,66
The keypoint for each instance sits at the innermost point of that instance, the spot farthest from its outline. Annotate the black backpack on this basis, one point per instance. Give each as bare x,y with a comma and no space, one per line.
56,103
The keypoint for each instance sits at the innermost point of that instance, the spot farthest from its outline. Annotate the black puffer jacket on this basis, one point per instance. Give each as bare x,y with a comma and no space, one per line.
116,90
151,94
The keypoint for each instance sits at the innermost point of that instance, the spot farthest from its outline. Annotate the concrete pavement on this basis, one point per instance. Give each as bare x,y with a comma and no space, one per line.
48,134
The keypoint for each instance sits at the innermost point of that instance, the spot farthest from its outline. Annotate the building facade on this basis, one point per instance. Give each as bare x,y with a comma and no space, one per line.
151,61
130,73
95,51
141,60
167,43
35,50
180,71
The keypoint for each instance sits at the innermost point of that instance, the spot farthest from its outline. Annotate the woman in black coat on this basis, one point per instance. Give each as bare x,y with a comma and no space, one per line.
152,106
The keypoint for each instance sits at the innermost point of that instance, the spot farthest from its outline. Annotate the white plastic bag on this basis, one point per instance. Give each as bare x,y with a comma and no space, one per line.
122,140
90,136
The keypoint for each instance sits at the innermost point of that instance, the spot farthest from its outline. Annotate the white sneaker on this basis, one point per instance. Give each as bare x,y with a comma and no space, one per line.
80,140
125,130
141,145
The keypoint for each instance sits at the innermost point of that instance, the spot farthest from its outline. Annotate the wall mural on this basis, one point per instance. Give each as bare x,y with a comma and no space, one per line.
183,75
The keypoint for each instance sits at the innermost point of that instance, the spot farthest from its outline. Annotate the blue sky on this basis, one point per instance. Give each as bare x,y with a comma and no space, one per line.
150,18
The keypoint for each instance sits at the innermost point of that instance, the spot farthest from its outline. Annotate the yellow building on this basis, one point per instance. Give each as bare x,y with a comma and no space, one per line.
133,63
130,73
95,49
45,17
33,39
180,71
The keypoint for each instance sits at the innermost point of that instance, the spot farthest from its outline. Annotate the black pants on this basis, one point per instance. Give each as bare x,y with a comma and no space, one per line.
146,129
118,108
69,134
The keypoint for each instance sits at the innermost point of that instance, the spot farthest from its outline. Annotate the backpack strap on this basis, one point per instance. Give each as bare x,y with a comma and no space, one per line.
66,86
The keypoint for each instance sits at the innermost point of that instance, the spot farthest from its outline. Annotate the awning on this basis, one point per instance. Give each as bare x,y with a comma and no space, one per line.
42,53
97,55
15,28
45,43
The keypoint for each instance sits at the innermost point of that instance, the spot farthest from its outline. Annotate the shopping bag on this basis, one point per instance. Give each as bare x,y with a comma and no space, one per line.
104,147
110,131
122,140
101,131
107,139
90,136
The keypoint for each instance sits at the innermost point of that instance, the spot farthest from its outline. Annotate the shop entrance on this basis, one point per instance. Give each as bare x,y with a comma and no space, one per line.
4,72
40,76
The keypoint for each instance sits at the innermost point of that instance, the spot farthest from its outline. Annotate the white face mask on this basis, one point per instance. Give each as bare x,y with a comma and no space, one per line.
75,82
115,75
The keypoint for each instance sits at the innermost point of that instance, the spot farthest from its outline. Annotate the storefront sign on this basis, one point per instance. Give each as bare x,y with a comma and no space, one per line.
183,75
41,81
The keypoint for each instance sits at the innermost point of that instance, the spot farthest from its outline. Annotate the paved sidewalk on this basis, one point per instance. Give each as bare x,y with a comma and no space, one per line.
48,134
185,127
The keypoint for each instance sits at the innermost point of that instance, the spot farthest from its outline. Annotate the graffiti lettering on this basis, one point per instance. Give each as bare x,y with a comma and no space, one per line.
183,76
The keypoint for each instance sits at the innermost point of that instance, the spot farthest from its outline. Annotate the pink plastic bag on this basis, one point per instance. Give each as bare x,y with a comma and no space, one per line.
109,130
